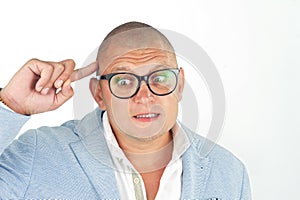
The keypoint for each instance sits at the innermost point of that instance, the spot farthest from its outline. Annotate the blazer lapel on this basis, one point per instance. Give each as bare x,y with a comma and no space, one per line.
196,169
195,174
93,156
100,174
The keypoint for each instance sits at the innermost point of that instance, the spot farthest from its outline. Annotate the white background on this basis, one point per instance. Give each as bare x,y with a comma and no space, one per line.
254,44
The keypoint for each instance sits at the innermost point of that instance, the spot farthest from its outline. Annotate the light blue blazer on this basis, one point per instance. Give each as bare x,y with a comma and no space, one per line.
72,161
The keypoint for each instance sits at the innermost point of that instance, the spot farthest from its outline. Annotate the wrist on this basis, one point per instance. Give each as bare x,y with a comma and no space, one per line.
8,103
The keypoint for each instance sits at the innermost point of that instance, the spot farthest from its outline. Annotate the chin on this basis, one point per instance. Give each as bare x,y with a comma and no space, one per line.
145,138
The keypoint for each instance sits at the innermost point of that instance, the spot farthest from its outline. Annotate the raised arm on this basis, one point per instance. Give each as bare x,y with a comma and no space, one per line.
34,88
39,86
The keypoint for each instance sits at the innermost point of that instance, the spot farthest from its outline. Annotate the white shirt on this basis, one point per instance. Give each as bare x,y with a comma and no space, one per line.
130,182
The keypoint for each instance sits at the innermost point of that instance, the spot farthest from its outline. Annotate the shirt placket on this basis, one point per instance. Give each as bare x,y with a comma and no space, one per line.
138,187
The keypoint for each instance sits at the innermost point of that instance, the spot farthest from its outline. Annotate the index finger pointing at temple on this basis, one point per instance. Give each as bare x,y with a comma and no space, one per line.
84,72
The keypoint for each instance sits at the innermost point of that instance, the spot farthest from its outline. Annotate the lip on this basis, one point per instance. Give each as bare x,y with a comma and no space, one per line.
146,117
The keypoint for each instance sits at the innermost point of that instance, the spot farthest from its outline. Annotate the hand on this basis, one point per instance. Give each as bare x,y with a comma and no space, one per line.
34,88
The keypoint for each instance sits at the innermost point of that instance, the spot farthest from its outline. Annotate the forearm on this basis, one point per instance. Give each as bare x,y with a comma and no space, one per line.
10,125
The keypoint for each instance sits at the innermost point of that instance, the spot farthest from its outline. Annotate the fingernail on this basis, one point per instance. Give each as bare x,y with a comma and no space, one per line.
45,91
59,83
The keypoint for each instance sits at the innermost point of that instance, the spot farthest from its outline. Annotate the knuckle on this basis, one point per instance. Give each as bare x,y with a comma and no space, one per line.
60,66
72,62
33,60
69,65
50,68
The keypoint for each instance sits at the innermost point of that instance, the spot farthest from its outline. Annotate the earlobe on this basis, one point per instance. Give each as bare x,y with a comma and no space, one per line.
96,93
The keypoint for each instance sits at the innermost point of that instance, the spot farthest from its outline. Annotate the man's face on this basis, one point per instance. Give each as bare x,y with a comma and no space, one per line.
145,116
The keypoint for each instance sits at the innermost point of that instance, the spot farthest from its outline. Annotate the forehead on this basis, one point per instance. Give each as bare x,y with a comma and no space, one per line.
135,48
142,60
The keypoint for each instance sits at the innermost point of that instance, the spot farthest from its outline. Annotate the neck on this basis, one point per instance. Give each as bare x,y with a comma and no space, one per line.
147,155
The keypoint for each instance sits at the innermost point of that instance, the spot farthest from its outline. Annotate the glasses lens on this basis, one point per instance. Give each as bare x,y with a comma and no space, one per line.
163,81
123,85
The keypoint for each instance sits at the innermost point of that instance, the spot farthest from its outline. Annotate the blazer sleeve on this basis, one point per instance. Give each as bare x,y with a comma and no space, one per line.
16,157
10,125
16,164
246,191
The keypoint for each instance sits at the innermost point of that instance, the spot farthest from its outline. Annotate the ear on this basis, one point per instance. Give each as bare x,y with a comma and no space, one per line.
180,83
97,93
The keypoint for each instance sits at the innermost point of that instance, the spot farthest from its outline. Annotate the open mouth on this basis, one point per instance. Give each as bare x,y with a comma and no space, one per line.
145,117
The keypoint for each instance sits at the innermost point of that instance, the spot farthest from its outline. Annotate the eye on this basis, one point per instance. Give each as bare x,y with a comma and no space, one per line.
123,81
159,79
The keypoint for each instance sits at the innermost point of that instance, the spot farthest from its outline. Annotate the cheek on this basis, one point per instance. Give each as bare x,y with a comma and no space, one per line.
119,108
173,112
170,106
115,106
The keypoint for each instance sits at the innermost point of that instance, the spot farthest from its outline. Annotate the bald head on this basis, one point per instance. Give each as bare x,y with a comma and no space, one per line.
132,37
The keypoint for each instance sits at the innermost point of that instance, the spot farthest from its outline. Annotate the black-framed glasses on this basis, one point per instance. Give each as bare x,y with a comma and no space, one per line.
125,85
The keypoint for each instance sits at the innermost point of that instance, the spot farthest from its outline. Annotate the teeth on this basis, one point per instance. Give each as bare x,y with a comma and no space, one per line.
147,116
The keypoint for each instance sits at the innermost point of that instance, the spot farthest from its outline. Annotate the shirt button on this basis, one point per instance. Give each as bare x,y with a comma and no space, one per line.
136,180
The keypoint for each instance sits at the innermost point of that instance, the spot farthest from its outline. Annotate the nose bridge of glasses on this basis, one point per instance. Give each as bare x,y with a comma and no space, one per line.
141,80
144,78
143,87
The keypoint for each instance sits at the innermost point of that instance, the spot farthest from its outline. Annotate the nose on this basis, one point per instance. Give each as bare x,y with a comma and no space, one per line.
144,95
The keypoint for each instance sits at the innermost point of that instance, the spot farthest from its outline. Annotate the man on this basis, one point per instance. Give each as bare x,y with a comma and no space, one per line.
131,147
